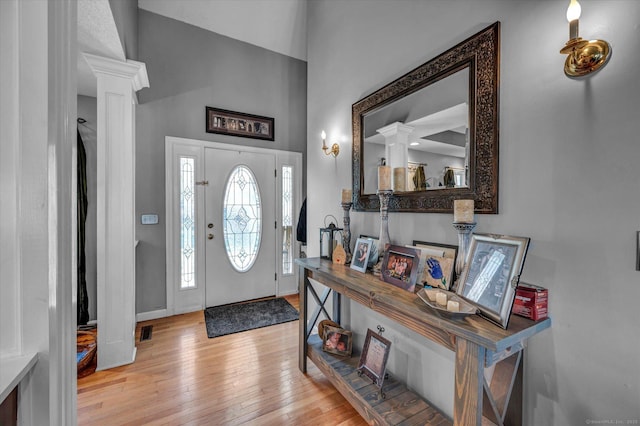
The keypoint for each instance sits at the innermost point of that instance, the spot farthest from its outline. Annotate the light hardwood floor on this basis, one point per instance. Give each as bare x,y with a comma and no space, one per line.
181,377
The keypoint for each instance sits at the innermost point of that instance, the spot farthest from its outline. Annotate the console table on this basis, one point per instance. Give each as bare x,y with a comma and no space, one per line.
488,359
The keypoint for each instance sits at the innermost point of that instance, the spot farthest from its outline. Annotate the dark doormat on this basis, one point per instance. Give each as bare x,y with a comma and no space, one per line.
229,319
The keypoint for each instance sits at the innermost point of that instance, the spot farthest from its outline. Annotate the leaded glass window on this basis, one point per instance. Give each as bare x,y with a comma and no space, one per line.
287,223
187,223
242,218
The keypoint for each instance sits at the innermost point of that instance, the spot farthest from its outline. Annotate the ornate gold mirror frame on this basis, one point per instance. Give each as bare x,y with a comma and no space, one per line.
480,54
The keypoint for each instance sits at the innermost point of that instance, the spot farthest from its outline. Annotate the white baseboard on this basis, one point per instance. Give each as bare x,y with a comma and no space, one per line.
287,293
146,316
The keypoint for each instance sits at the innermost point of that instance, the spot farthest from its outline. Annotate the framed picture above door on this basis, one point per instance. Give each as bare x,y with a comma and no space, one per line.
235,123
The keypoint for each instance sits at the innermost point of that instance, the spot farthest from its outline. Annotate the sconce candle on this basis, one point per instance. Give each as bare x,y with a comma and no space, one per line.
583,56
573,13
346,195
463,211
335,148
384,178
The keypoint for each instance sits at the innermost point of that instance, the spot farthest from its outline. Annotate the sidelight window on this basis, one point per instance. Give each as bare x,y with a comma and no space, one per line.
187,223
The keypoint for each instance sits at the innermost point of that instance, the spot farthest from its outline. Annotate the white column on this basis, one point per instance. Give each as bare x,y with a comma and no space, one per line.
117,83
396,146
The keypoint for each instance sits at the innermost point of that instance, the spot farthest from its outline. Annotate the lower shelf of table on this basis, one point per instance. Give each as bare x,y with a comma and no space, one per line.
400,406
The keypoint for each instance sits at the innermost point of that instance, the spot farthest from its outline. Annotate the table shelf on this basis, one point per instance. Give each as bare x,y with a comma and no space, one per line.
401,406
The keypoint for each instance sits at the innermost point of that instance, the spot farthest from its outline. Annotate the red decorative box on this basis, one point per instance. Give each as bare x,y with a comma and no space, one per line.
531,301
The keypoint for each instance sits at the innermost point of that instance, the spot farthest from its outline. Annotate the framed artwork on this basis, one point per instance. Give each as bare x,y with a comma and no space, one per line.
234,123
447,251
361,254
491,274
438,272
400,267
373,360
337,340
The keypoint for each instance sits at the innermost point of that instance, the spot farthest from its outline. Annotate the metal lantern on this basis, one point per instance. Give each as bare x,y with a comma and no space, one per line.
328,240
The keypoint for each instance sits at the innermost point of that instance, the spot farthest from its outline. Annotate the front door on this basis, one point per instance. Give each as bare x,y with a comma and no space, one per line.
240,218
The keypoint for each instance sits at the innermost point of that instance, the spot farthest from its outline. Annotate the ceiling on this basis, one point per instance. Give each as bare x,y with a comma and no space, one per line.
277,25
97,34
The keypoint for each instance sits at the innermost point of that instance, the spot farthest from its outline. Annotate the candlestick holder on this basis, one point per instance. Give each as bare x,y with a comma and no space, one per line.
385,196
346,233
464,233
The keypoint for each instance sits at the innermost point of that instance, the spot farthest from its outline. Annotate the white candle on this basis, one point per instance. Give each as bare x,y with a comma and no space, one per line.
453,306
441,299
384,178
431,293
346,195
400,179
463,211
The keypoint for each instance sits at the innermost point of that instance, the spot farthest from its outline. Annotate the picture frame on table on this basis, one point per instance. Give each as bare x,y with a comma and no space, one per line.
374,356
235,123
492,273
440,270
361,252
373,253
400,267
337,341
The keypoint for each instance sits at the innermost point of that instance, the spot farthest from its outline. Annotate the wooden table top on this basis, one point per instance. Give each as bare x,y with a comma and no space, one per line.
409,310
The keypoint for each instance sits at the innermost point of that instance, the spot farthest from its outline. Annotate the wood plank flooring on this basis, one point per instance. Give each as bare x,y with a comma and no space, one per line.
181,377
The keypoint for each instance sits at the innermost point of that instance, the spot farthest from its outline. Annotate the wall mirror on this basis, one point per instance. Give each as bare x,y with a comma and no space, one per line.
439,122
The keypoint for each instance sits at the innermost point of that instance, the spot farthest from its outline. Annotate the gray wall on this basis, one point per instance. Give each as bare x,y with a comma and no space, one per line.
568,179
87,109
190,68
125,15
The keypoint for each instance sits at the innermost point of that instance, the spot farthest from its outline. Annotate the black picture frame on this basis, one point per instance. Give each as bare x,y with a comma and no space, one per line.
374,356
235,123
491,274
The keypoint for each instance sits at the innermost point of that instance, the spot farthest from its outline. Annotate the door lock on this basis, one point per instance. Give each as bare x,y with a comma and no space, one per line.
210,225
210,236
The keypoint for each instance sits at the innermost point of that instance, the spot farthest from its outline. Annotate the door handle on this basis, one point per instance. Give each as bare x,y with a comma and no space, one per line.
210,236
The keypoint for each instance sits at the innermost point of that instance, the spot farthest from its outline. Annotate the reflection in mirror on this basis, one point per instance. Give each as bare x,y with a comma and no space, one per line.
456,156
427,133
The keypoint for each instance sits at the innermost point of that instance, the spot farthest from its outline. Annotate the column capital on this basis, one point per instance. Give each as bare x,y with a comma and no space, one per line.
132,70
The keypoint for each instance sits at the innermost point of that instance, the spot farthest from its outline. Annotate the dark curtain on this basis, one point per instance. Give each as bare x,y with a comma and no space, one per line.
301,231
83,299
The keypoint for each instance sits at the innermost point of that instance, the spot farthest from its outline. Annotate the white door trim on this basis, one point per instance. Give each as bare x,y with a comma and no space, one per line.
282,158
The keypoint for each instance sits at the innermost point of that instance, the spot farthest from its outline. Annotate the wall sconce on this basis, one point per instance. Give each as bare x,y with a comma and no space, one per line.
584,56
335,148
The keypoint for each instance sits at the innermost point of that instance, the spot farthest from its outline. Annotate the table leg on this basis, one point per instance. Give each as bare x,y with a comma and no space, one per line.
469,382
302,322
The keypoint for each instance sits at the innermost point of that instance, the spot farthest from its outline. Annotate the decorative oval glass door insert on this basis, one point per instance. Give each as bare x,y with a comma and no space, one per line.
242,218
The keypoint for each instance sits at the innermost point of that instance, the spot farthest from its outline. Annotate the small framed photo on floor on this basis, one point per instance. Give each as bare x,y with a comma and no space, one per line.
373,360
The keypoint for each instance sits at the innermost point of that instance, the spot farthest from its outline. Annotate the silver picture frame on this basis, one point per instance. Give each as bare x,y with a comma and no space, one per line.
491,274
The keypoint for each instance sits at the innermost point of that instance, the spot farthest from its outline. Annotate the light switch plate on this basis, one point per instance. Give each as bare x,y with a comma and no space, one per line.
149,219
